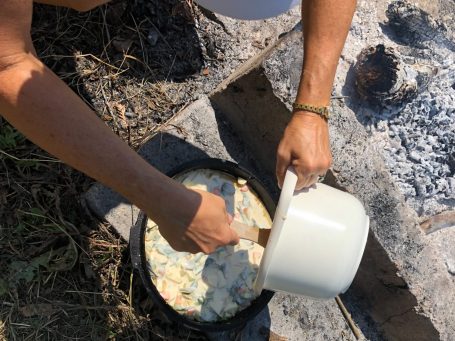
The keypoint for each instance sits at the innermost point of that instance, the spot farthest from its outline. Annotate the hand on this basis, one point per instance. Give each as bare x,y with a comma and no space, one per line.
305,146
197,221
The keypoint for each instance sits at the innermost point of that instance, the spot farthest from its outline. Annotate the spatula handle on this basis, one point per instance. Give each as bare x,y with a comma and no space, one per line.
252,233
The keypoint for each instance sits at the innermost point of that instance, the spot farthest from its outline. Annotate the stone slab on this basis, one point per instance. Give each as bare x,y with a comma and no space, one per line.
113,208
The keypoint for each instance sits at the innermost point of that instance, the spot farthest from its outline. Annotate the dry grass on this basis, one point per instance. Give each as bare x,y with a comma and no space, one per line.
132,62
64,275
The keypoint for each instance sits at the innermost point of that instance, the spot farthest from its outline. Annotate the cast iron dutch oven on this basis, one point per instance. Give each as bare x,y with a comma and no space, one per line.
137,249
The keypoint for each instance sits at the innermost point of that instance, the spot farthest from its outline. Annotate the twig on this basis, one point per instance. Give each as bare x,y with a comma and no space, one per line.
348,318
28,160
130,294
439,221
160,127
106,102
105,26
70,306
87,292
97,59
170,69
80,56
144,55
7,173
139,61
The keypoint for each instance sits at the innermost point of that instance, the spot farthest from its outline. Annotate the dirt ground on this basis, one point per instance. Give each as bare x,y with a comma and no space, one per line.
65,275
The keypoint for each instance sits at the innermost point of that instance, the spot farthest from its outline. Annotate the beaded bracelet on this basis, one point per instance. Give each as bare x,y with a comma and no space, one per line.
323,111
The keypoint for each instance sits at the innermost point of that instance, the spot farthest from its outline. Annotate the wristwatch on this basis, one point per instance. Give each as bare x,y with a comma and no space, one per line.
323,111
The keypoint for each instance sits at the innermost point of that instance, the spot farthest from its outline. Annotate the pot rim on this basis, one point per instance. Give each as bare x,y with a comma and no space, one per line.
137,251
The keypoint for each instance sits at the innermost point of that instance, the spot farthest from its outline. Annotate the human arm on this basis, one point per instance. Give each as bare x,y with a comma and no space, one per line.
305,143
44,109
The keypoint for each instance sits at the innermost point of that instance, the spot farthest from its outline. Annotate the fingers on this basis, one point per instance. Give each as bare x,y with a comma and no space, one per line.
226,236
303,181
309,180
234,238
313,179
308,176
307,170
230,218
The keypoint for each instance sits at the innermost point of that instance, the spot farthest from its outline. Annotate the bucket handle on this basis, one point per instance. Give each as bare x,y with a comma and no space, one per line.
290,181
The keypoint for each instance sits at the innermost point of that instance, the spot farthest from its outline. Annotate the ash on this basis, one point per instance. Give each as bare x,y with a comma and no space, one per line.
415,133
421,151
419,137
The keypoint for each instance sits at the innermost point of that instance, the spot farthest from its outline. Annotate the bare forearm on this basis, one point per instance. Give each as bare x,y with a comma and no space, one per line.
326,24
41,106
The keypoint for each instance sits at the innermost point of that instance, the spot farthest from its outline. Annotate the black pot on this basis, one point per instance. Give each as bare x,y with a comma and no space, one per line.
137,249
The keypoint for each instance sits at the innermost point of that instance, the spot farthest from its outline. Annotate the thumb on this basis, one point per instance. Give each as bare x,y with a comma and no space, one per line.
283,161
234,238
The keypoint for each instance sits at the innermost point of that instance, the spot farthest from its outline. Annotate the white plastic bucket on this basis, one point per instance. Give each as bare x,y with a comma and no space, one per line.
317,241
248,9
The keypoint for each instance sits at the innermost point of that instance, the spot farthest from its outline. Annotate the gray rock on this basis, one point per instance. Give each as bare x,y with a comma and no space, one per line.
414,156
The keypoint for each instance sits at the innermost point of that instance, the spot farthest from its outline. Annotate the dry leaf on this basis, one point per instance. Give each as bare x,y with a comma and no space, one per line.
106,118
151,105
120,108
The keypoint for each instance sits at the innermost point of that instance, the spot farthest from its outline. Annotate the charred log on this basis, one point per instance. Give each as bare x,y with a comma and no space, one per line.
383,78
